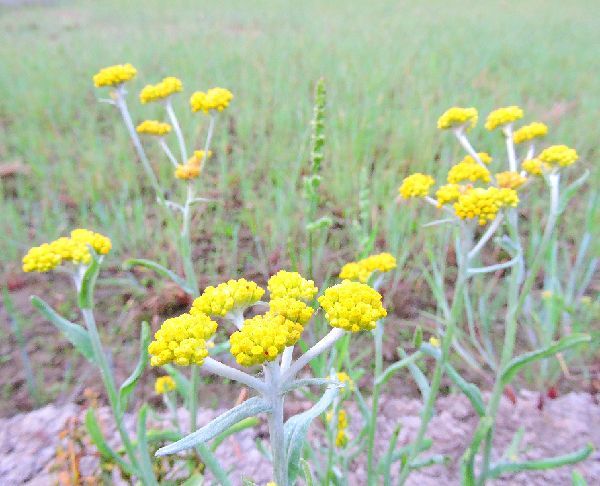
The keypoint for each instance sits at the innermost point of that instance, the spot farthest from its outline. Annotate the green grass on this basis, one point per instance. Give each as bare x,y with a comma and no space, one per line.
391,68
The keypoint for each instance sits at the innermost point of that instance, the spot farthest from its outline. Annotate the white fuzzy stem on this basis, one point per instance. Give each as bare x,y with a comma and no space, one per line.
218,368
167,151
485,237
510,148
177,128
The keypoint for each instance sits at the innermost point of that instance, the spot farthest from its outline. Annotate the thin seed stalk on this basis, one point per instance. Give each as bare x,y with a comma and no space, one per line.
277,438
378,344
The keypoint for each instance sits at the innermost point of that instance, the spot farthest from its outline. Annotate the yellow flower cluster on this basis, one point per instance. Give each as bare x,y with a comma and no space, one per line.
292,285
533,166
510,179
164,384
182,340
529,132
344,378
193,167
352,306
153,127
262,338
226,297
470,171
292,309
484,203
483,156
558,155
213,99
74,249
363,269
342,424
456,117
503,116
162,90
114,75
416,185
448,193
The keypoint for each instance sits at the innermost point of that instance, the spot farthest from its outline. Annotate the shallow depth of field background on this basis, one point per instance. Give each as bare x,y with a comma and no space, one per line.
391,69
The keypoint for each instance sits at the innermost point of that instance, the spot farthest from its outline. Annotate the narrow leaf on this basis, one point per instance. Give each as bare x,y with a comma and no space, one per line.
130,383
249,408
145,461
75,334
85,298
577,479
519,362
469,389
395,367
162,271
308,479
234,429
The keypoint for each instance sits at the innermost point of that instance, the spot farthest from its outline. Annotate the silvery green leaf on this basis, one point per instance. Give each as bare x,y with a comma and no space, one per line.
162,271
309,382
76,334
295,430
249,408
85,298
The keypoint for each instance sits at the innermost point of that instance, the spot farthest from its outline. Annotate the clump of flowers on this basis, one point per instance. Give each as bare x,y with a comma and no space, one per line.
363,269
503,116
227,297
215,99
558,156
529,132
510,179
292,285
164,384
154,127
114,75
468,170
484,204
533,166
457,117
162,90
341,438
416,185
292,309
448,193
484,157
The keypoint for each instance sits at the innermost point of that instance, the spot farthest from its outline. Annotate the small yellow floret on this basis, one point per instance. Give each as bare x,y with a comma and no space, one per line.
529,132
292,309
198,158
456,117
510,179
344,378
41,259
226,297
352,306
162,90
416,185
435,342
558,156
187,171
164,384
483,156
213,99
182,340
154,127
448,193
291,284
503,116
114,75
100,243
263,338
533,166
484,204
72,250
363,269
470,171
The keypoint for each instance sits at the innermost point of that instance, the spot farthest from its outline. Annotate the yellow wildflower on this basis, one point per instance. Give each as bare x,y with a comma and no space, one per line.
484,203
448,193
164,384
352,306
262,338
187,171
214,99
435,342
160,91
344,378
154,127
114,75
292,309
468,171
456,117
41,259
227,297
341,439
559,155
510,179
483,156
291,284
416,185
182,340
363,269
198,158
503,116
100,243
529,132
72,250
533,166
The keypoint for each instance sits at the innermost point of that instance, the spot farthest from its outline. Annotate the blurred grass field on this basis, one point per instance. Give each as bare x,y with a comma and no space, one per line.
391,68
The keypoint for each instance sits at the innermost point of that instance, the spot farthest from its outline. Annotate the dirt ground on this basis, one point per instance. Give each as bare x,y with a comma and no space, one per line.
35,446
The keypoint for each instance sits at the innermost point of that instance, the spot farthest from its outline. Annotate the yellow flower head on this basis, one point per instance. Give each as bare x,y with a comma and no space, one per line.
164,384
434,341
484,204
187,171
483,156
291,284
227,297
100,243
182,340
448,193
71,250
416,185
470,171
292,309
341,439
198,158
153,127
558,156
533,166
352,306
457,117
503,116
41,259
162,90
213,99
529,132
510,180
346,380
263,338
114,75
363,269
